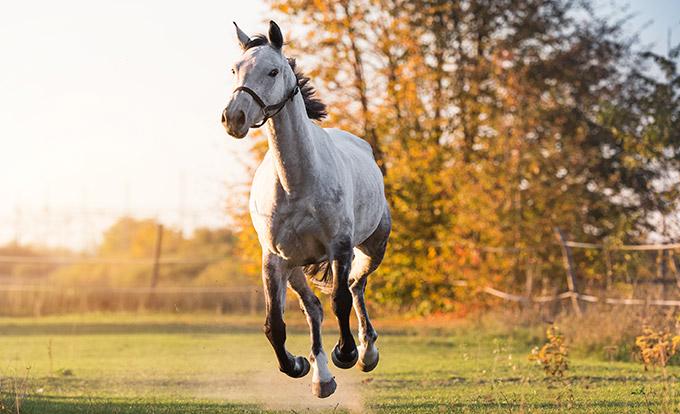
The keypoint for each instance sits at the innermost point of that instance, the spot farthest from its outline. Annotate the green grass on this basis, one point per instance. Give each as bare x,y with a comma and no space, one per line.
208,364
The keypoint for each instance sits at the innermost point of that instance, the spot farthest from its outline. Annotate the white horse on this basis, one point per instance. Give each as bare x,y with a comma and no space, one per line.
317,203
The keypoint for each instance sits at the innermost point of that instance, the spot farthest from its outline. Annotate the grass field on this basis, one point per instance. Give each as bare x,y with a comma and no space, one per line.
210,364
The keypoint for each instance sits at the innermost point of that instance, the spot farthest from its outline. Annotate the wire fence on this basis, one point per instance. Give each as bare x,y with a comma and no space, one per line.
38,300
573,293
28,297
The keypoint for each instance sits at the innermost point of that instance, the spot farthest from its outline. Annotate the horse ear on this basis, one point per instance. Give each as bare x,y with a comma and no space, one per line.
275,36
243,38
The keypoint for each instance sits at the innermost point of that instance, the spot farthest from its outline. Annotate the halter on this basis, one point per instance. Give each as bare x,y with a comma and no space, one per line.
266,109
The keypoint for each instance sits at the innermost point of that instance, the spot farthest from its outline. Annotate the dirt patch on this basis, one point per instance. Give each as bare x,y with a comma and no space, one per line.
274,390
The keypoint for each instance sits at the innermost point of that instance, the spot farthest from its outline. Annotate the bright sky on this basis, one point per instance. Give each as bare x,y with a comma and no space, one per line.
115,105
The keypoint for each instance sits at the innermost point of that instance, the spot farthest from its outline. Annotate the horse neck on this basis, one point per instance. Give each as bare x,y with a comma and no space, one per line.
290,140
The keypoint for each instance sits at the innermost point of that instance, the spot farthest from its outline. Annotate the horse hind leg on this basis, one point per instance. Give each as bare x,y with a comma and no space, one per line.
368,257
323,383
368,351
345,353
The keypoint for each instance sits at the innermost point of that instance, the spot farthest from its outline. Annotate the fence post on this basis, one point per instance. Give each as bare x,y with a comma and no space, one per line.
529,282
157,256
610,272
568,261
675,268
662,260
156,262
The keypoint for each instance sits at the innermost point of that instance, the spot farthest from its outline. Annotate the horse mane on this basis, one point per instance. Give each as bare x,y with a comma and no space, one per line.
315,108
257,40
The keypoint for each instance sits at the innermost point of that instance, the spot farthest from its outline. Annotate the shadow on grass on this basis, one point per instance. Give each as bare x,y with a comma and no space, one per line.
591,406
216,328
112,385
445,380
76,405
128,328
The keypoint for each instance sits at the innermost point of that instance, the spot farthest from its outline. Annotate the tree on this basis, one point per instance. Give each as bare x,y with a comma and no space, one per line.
494,121
213,254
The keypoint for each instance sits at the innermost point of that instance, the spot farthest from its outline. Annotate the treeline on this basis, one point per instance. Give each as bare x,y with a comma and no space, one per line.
124,258
495,121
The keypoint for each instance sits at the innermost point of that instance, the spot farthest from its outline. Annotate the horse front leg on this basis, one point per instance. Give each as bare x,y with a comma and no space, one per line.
323,383
345,353
274,279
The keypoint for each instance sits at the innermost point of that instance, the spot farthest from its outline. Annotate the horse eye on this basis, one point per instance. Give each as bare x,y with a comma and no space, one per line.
274,72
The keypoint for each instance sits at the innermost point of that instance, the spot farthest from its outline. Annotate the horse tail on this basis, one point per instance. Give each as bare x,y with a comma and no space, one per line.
320,275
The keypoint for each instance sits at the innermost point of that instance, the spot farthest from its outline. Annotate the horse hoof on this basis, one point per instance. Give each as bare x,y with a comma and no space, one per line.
301,367
369,367
324,389
344,361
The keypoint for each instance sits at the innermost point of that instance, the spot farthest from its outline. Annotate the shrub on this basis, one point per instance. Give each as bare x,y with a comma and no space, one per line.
553,355
657,347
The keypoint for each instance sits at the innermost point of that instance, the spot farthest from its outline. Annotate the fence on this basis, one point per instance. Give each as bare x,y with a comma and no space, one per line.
40,298
573,294
37,295
37,300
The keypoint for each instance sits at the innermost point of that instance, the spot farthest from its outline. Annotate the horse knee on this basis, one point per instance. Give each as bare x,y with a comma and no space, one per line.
275,331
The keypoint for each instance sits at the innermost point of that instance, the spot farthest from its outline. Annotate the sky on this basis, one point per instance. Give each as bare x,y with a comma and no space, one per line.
113,107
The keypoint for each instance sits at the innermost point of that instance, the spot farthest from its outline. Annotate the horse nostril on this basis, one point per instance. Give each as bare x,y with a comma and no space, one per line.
234,120
240,119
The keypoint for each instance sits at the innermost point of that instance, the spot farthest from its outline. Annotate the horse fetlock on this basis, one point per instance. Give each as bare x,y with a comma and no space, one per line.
368,357
344,360
323,383
300,368
320,371
324,389
371,336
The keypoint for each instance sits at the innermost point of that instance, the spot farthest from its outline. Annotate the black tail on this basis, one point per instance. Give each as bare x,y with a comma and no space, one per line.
320,275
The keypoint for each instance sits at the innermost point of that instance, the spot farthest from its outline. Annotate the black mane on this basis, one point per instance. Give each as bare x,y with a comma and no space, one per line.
315,108
257,40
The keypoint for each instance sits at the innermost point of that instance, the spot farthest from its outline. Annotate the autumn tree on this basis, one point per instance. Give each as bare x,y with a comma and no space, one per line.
128,245
494,122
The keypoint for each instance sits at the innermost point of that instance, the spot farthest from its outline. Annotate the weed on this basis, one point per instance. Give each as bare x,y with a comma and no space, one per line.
553,355
13,397
657,347
49,354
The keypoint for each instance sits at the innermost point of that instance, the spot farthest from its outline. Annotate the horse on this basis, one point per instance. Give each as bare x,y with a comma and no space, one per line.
317,203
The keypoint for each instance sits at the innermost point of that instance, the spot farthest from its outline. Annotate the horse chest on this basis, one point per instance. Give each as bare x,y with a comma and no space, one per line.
291,230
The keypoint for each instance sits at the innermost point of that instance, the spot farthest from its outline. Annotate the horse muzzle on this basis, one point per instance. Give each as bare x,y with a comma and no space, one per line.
235,122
